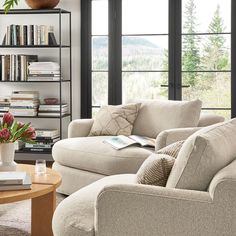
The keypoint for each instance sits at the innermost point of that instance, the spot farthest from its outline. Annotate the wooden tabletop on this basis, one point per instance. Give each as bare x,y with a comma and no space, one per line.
41,185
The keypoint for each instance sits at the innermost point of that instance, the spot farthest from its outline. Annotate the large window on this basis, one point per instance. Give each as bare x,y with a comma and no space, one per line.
144,49
148,49
206,54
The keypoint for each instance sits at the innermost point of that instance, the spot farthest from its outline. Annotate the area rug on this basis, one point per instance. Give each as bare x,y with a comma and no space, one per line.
15,218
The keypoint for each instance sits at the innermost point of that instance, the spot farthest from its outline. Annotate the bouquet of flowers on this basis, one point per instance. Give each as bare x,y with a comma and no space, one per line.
11,130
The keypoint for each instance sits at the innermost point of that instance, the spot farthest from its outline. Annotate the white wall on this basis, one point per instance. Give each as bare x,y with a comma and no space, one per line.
50,90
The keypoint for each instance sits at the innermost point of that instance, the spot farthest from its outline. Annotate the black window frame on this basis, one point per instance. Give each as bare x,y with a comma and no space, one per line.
115,54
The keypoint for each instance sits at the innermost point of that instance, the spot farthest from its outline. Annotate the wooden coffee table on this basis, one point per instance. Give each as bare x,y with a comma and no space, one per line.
43,199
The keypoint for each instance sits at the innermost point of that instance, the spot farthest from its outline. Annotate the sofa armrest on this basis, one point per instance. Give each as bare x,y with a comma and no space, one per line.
170,136
209,119
80,128
148,210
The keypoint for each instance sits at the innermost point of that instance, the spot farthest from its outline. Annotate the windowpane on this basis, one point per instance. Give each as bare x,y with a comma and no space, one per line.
99,88
212,88
100,17
145,53
206,16
144,85
144,16
95,111
206,52
100,53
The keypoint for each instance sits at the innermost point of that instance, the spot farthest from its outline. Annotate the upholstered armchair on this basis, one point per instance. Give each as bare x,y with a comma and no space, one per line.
199,198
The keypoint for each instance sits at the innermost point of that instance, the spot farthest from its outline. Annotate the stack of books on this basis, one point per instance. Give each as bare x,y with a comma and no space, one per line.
28,35
14,181
52,110
15,67
24,103
4,105
44,71
45,139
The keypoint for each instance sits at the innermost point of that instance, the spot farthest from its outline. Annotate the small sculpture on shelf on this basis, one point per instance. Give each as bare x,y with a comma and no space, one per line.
10,132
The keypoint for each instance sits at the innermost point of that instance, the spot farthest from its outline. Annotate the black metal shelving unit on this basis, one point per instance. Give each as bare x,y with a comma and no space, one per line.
59,12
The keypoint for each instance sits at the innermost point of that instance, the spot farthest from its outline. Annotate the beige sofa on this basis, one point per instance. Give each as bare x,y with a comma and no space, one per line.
81,160
199,198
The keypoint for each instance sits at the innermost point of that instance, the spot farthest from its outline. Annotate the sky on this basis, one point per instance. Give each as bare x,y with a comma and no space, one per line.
151,16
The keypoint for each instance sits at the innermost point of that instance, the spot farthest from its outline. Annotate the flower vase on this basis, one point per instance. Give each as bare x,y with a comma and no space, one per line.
7,154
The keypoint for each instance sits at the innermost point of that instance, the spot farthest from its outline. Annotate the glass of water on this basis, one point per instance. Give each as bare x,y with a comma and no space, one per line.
40,167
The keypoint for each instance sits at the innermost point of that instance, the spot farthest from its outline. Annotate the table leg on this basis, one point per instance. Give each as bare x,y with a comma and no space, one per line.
42,209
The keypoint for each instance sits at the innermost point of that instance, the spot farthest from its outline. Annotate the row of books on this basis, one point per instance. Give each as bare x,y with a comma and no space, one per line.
15,67
26,103
45,139
28,35
44,71
14,180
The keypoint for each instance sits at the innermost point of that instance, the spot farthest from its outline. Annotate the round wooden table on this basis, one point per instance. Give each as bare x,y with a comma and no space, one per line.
43,199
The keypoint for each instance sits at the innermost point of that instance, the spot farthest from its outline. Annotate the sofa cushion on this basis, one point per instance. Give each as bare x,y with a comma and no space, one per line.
157,115
91,154
155,170
115,120
75,214
203,155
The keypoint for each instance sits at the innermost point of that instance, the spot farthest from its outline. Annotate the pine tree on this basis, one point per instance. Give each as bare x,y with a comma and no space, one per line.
191,57
215,53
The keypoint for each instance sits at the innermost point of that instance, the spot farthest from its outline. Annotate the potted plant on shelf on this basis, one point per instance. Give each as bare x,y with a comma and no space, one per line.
10,132
34,4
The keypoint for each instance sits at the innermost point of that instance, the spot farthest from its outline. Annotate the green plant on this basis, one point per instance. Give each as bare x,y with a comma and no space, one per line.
9,4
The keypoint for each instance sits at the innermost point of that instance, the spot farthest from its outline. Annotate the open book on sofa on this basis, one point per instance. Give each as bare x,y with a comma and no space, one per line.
121,141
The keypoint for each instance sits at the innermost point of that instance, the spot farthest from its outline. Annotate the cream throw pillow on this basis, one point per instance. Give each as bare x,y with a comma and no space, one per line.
155,170
115,120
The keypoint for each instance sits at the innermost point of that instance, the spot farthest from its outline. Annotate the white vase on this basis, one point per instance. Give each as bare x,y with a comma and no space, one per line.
7,154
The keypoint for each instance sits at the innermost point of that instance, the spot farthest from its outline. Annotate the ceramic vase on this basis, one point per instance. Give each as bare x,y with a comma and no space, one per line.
42,4
7,154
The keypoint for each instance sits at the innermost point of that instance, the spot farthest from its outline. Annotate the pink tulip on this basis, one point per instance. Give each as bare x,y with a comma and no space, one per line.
8,119
5,134
30,133
20,125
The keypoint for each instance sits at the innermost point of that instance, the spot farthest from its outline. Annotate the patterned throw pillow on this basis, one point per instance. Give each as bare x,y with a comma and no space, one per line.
115,120
172,149
155,170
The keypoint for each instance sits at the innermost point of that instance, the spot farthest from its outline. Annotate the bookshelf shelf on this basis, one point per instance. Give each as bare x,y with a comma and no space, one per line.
33,11
35,46
44,117
39,81
63,48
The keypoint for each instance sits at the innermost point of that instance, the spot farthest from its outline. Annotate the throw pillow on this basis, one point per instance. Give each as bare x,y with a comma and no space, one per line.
115,120
172,149
155,170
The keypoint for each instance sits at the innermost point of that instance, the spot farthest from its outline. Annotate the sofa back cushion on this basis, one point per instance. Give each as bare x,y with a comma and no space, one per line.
157,115
207,119
203,154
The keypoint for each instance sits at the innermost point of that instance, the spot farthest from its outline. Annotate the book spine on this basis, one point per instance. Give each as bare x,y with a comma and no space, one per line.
25,35
32,34
35,35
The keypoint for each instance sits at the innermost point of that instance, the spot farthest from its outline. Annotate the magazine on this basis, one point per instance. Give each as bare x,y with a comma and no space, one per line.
121,141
